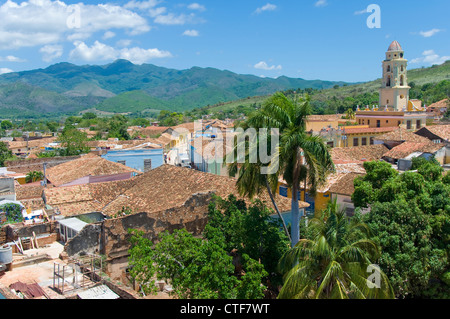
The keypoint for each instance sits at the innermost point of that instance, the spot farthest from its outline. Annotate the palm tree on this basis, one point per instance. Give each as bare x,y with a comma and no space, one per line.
350,114
332,263
251,182
34,176
300,156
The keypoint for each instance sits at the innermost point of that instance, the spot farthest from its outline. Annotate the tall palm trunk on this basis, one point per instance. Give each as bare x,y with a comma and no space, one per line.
269,190
295,213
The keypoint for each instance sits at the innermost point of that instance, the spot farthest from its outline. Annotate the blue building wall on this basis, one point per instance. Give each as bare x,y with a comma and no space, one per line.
135,158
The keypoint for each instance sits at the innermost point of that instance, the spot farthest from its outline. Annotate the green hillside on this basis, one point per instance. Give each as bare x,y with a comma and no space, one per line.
428,84
124,87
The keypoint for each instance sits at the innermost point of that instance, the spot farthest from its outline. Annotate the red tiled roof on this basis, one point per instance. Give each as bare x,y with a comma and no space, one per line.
406,148
357,154
369,130
345,185
170,186
402,135
443,131
88,165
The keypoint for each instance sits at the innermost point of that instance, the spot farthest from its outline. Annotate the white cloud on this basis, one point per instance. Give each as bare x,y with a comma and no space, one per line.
5,70
108,35
97,52
41,22
142,5
102,52
267,7
264,66
196,6
191,33
322,3
123,43
139,55
357,12
157,11
172,19
51,52
430,57
11,58
429,33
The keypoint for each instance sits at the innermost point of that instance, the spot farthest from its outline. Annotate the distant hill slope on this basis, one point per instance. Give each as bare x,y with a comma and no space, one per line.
122,86
420,76
433,74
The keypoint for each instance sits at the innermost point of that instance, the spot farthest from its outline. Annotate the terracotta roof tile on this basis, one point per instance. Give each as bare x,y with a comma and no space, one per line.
406,148
356,130
401,135
443,131
88,165
345,185
169,186
358,154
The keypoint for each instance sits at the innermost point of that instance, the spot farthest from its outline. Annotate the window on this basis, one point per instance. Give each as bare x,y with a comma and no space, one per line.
355,141
330,144
378,123
402,68
388,82
364,141
147,165
368,122
408,124
418,124
389,68
402,80
372,140
387,121
399,122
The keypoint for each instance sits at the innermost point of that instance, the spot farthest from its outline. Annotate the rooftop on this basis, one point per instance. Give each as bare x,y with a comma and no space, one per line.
358,154
402,135
356,130
395,46
87,165
170,186
345,184
406,148
442,131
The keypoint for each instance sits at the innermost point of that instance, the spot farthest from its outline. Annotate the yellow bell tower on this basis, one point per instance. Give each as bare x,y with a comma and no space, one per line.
394,91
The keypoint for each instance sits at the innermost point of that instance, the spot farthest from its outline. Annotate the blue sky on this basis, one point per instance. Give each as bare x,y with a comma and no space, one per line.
310,39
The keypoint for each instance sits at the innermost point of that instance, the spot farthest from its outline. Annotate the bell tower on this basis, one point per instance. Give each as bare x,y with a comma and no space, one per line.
394,91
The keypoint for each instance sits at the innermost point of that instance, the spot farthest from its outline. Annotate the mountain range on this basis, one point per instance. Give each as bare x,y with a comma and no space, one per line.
124,87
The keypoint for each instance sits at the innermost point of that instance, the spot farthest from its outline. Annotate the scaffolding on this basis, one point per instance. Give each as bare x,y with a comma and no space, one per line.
81,273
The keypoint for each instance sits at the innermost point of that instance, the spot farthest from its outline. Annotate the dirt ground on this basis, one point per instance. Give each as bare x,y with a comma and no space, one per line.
41,273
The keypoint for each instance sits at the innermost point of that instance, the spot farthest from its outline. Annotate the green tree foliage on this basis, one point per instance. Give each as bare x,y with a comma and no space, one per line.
34,176
167,118
332,260
235,258
117,127
5,153
6,125
13,213
410,218
73,141
300,156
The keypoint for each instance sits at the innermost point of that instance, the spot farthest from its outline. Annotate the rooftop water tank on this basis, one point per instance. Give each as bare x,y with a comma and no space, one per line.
6,256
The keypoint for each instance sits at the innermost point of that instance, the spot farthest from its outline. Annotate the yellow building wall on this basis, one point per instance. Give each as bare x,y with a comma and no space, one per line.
316,126
384,122
320,200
